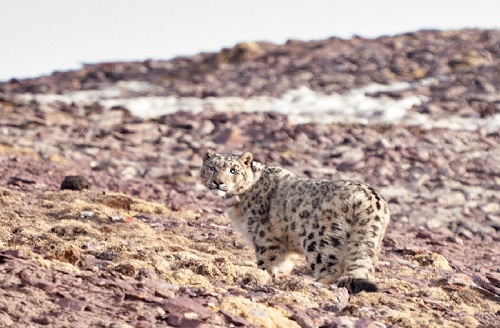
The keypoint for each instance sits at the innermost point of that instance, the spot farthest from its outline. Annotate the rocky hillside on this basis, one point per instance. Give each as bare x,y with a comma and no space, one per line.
143,244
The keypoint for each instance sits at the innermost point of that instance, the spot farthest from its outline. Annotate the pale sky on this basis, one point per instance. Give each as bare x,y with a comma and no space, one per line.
38,37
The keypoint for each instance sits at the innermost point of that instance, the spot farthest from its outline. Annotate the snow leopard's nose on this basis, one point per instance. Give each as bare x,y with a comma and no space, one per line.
218,183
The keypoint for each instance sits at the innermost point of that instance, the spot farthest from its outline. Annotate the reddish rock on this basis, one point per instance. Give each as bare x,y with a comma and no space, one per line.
365,323
185,305
234,319
494,278
71,303
44,321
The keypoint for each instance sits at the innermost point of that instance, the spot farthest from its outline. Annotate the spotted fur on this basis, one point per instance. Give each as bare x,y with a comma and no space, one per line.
337,225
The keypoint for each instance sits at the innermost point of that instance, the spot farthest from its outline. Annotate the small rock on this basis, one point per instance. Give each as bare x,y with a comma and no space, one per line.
144,322
301,317
72,303
44,321
11,253
157,172
469,229
494,278
424,234
384,144
486,285
6,320
455,198
461,231
234,319
43,285
75,182
342,298
433,260
177,320
106,256
185,305
353,154
346,166
434,223
257,314
206,127
86,214
364,323
129,172
491,208
343,322
455,239
126,269
460,279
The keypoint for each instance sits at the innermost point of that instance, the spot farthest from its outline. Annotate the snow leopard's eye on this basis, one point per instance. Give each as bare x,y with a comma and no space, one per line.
213,169
233,171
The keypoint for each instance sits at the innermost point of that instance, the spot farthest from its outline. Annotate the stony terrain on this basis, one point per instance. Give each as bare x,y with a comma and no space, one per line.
148,246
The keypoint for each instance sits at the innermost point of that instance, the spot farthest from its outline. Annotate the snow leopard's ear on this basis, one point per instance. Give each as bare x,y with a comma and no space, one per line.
208,154
247,159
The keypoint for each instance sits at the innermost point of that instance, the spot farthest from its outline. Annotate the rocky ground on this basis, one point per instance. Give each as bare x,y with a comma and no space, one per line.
148,246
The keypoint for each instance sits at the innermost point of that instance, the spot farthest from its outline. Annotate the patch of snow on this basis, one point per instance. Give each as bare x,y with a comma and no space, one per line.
302,105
